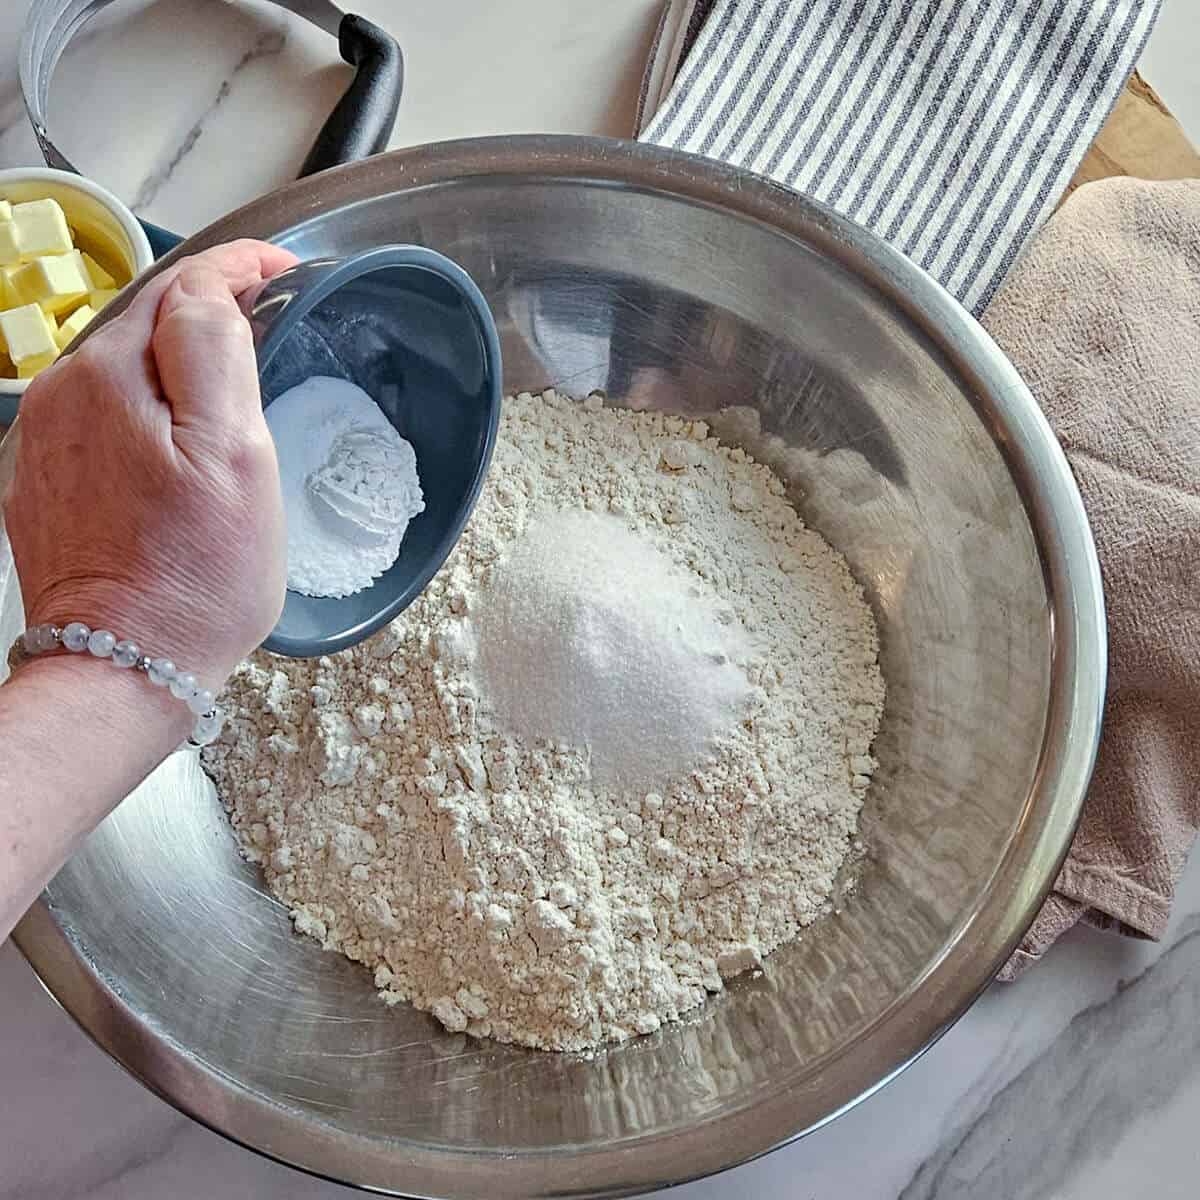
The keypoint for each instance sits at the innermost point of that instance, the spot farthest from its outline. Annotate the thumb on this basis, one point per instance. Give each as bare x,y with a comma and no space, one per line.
204,353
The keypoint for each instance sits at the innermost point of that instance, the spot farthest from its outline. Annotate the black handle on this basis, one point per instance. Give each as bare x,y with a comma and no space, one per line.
363,120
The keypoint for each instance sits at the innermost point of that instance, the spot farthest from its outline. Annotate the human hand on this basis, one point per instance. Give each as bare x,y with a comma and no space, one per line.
145,498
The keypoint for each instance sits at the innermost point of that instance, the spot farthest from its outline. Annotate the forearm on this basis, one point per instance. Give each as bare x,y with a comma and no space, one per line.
76,736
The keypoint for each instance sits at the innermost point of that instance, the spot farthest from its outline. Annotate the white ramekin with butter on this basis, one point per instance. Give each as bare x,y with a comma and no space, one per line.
55,277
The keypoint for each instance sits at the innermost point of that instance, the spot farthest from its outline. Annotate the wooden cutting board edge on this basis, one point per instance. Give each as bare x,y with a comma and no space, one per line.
1140,139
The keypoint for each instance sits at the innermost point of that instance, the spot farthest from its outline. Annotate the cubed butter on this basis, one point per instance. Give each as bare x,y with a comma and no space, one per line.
31,366
10,250
28,336
73,326
57,282
5,211
101,296
41,227
96,273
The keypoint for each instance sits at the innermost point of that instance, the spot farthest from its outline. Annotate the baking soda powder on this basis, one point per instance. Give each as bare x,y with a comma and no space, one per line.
349,482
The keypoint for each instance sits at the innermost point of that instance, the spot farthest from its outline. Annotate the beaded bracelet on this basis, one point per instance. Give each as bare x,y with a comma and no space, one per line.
162,672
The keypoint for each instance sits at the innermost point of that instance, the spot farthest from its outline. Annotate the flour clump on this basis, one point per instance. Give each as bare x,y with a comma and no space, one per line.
563,870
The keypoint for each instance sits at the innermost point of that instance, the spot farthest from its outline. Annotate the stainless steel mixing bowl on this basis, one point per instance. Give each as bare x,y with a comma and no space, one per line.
912,444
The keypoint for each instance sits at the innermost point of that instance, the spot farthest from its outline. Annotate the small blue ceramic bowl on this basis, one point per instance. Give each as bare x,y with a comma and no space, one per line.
411,328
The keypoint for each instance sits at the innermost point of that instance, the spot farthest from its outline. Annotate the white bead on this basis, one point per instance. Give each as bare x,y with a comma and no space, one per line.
183,686
101,643
75,636
162,671
202,701
126,654
208,729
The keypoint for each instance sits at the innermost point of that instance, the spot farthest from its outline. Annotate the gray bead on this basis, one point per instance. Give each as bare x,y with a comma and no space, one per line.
202,702
75,637
39,639
162,671
101,643
125,654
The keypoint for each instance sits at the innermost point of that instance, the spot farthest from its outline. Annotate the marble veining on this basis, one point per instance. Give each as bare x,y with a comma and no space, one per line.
1124,1058
1079,1082
267,44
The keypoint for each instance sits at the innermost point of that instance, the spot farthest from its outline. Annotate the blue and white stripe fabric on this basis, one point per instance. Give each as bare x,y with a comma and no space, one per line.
949,127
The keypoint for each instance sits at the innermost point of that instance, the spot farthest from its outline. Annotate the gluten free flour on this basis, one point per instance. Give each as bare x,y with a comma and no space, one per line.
614,755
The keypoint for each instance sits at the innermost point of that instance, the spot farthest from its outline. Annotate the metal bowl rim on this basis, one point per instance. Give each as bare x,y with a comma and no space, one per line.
967,963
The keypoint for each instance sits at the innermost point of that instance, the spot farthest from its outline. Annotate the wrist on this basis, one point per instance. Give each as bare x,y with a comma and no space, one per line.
81,641
90,691
130,613
78,738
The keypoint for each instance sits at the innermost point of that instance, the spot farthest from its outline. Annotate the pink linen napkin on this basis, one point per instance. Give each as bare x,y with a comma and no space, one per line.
1102,318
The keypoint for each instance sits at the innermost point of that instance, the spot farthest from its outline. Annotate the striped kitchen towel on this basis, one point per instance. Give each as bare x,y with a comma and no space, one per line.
949,127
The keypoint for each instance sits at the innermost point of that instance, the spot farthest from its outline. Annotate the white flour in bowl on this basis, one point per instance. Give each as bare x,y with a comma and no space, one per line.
590,883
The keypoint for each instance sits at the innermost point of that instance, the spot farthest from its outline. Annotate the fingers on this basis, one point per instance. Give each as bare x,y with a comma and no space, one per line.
247,262
181,355
204,353
125,343
242,265
200,340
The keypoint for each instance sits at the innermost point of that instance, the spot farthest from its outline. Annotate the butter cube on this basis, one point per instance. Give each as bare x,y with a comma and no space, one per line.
96,273
73,326
10,251
41,227
31,366
5,211
28,336
57,282
101,296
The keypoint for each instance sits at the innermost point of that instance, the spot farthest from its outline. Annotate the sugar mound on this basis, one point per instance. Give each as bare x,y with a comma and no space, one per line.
591,635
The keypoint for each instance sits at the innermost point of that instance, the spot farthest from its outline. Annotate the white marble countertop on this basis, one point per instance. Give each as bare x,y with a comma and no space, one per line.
1082,1080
